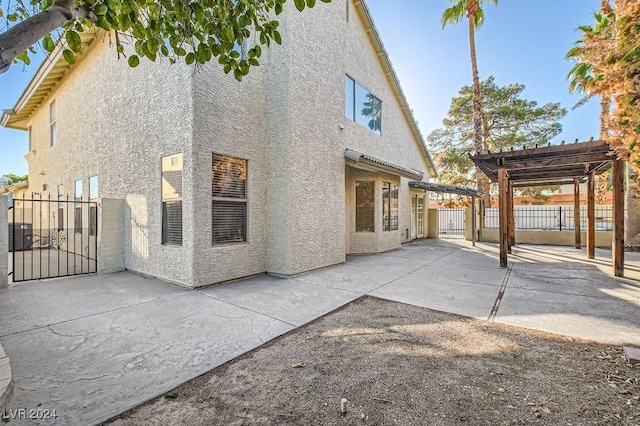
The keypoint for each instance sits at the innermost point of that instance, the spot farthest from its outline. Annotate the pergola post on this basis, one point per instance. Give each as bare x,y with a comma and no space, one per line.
576,213
473,221
503,187
512,222
618,218
591,215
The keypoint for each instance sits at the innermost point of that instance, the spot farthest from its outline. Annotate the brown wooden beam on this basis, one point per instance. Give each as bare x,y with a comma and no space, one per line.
503,186
565,160
578,148
526,184
576,214
618,218
591,216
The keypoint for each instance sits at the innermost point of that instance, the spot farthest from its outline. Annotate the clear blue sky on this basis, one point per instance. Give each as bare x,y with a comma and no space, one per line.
521,42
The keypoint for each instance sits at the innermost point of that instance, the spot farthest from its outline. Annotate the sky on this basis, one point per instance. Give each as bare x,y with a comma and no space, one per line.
522,41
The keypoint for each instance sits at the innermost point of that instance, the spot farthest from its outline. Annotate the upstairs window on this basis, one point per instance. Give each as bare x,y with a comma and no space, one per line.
53,133
30,139
362,106
172,200
228,199
389,206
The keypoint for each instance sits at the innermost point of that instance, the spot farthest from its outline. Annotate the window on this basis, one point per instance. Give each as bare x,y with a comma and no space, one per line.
77,217
362,106
389,206
364,206
347,1
78,186
172,200
30,140
93,188
52,123
420,214
60,209
228,199
77,220
93,220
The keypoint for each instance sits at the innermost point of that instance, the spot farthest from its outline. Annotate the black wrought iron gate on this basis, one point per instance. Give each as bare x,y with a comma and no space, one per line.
52,238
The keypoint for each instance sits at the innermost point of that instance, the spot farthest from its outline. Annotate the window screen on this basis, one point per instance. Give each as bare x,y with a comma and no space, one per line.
228,199
172,199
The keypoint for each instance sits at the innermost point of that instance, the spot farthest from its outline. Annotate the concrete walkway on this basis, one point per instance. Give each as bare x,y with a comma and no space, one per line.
93,346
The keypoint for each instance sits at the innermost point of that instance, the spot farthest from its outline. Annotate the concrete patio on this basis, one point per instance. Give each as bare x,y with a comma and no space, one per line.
93,346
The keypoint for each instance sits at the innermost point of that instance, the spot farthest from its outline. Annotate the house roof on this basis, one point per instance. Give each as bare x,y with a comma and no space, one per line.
14,187
54,68
367,162
50,73
382,54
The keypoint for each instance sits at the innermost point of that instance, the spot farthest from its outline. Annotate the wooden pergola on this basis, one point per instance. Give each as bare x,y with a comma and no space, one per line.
558,165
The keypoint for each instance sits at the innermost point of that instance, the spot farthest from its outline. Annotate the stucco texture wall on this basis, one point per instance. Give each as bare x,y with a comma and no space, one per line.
116,123
324,48
229,119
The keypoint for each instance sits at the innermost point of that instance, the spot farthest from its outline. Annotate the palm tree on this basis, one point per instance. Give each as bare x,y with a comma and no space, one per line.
475,15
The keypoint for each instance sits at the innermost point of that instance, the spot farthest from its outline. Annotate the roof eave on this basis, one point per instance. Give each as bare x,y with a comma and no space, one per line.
18,118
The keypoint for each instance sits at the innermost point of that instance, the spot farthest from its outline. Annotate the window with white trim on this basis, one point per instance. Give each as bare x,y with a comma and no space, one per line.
389,206
228,199
172,199
53,132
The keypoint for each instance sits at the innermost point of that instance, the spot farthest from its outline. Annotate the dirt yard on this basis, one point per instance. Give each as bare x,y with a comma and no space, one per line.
405,365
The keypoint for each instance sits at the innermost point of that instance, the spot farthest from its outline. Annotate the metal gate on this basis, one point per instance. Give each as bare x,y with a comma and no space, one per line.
451,223
52,238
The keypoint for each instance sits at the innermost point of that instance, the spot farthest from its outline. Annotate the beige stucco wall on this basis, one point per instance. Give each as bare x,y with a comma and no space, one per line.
229,119
111,241
379,240
306,148
556,238
116,122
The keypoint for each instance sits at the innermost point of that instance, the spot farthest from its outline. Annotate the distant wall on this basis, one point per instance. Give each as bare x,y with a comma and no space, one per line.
555,238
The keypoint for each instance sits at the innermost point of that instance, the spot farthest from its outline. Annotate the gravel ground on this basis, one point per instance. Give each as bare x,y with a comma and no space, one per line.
406,365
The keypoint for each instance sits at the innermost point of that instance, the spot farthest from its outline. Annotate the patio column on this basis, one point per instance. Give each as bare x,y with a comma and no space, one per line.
591,215
576,213
503,186
618,218
473,221
512,221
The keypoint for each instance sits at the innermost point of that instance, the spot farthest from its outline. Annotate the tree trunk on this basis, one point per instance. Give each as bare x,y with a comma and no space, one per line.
22,36
477,103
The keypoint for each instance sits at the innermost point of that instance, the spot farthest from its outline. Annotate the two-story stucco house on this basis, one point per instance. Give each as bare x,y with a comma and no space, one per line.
305,161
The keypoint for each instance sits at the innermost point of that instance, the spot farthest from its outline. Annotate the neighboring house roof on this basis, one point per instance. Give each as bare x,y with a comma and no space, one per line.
55,67
371,29
50,73
367,162
14,187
